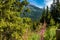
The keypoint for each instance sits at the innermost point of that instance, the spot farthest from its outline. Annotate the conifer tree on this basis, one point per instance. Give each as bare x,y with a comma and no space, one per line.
45,16
55,11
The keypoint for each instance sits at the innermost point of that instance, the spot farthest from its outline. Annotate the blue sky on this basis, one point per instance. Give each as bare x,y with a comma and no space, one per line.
41,3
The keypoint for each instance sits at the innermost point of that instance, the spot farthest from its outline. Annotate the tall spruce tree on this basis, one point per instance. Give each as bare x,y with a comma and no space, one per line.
45,16
55,10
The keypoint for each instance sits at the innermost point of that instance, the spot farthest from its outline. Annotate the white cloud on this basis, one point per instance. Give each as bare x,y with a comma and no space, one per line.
39,6
48,3
32,2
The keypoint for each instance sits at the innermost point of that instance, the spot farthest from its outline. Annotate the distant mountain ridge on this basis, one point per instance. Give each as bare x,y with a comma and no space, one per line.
35,12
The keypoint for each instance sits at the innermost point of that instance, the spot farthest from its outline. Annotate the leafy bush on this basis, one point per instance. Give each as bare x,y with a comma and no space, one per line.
12,26
34,36
50,33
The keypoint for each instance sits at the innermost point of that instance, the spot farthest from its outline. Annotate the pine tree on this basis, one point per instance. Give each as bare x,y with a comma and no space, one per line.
46,16
55,11
43,15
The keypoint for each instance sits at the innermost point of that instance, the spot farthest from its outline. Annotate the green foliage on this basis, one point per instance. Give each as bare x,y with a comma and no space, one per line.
52,19
12,26
34,36
50,33
52,22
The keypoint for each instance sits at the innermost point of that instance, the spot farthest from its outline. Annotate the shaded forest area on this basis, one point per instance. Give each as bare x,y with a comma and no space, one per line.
15,27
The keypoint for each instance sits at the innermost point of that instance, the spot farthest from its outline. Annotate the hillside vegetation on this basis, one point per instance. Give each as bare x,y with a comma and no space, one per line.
21,21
